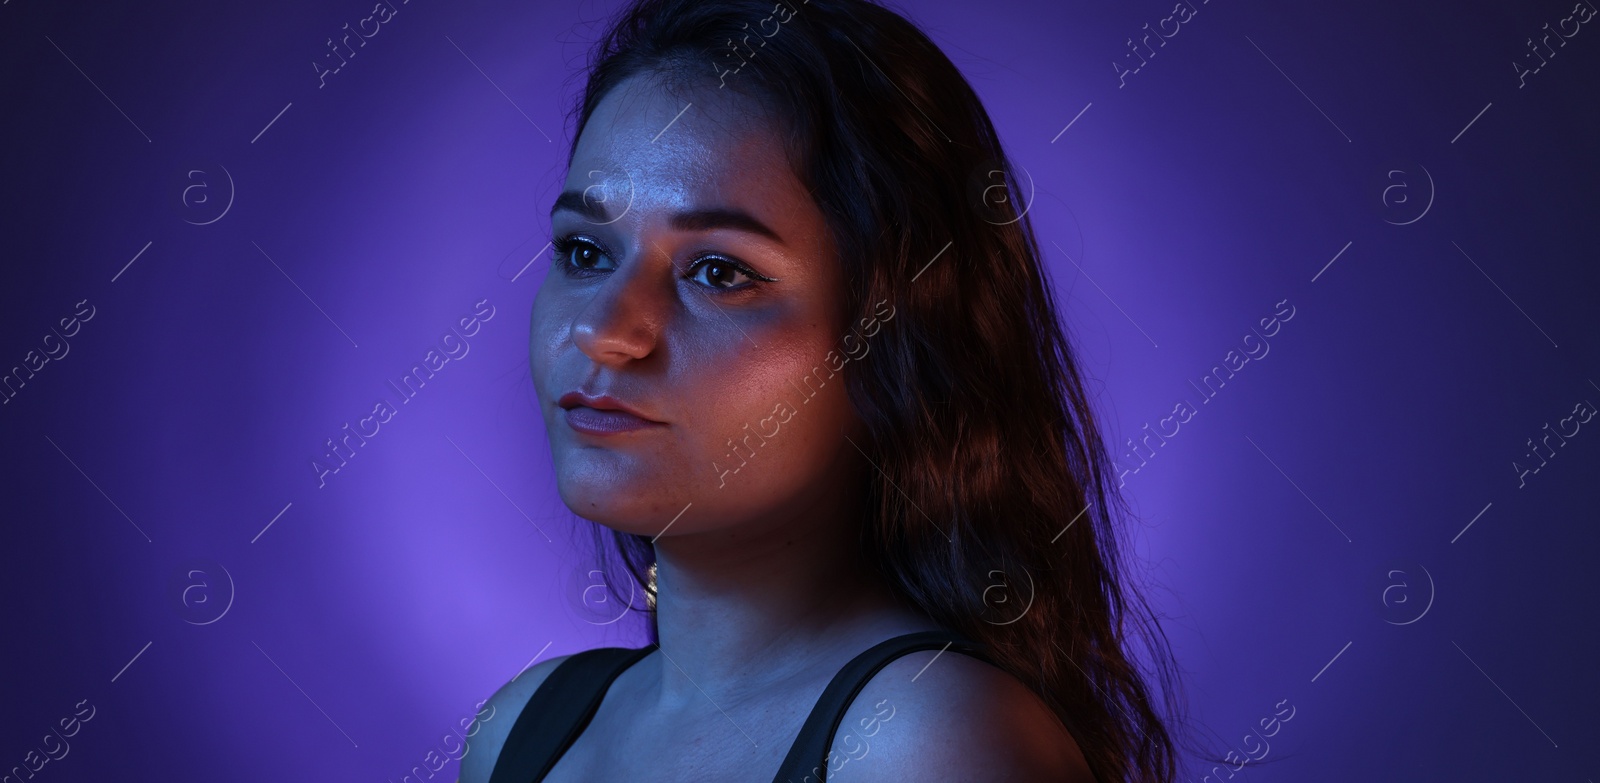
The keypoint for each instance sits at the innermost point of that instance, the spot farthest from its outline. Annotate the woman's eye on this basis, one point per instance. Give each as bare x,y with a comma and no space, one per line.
579,254
718,273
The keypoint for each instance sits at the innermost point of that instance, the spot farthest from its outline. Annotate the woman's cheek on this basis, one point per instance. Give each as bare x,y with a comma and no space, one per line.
545,341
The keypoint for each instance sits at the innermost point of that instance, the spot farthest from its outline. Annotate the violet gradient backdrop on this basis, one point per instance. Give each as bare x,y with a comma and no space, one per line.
374,613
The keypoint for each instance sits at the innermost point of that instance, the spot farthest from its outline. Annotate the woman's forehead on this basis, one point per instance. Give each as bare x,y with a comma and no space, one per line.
680,138
681,148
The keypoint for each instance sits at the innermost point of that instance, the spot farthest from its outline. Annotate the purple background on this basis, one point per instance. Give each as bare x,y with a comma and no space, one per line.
374,613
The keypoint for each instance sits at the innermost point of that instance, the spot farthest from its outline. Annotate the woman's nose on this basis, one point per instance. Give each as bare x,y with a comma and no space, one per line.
624,319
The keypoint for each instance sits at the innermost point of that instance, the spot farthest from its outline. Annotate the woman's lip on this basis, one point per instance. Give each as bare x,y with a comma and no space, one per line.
605,422
602,402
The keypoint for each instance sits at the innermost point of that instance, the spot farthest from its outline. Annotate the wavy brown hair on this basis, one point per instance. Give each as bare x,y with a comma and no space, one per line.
996,511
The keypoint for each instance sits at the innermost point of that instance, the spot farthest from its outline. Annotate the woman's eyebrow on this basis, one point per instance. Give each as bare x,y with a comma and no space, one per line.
692,220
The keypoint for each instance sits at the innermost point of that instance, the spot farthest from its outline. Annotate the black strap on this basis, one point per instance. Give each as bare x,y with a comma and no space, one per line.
809,754
559,710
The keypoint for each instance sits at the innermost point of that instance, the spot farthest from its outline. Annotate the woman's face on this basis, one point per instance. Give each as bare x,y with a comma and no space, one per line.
694,282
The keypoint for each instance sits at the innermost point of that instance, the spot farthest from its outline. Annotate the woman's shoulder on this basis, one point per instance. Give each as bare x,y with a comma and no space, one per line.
483,748
934,714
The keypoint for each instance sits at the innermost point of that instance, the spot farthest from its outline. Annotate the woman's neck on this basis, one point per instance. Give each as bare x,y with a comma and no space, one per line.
739,610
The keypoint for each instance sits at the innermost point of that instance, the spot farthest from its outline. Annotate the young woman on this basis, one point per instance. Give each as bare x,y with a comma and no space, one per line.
797,355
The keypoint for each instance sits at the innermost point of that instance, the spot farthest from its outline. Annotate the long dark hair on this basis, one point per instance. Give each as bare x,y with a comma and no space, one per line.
995,509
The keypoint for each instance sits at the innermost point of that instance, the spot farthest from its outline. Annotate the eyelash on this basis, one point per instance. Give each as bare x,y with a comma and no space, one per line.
564,245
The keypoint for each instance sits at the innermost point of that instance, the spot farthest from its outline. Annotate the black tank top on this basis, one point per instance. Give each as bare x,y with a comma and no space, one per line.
562,706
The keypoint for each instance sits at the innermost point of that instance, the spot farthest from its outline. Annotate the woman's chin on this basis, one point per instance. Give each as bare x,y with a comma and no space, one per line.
620,505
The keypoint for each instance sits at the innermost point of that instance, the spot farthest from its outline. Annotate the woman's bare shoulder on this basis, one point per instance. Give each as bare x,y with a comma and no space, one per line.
929,715
483,748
